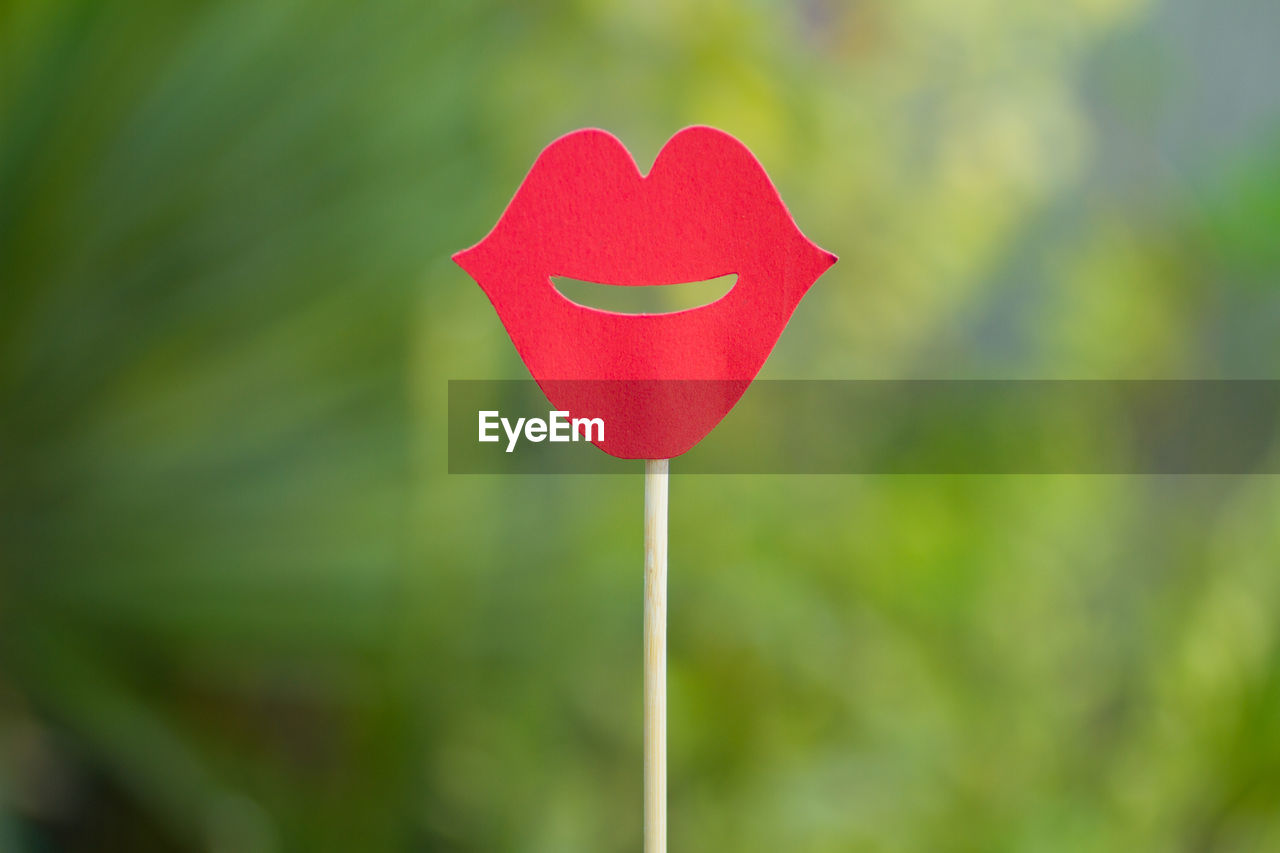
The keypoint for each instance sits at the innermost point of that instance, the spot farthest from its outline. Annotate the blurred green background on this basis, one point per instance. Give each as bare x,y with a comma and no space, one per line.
243,608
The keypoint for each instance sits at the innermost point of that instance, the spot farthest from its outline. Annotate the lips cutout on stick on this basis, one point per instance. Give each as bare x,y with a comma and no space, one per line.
660,382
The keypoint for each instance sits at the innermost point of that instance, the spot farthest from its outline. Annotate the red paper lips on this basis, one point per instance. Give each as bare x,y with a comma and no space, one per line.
660,382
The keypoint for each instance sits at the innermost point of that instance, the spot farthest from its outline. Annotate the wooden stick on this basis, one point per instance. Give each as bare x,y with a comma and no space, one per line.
655,655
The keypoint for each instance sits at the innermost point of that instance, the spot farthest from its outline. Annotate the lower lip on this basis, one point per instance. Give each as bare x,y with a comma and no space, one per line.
660,382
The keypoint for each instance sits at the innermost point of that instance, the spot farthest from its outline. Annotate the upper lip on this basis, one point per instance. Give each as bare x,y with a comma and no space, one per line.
706,209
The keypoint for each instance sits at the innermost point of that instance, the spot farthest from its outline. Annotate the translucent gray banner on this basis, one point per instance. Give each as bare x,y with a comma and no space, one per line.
907,427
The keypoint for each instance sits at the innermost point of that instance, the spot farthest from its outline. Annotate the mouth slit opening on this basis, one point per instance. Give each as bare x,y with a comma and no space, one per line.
658,299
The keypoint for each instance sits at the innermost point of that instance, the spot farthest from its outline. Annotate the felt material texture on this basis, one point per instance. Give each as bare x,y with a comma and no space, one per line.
585,211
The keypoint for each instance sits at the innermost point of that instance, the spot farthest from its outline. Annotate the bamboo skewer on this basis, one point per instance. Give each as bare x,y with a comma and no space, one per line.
655,655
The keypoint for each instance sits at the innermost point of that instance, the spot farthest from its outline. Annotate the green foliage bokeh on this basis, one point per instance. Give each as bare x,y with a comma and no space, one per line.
243,608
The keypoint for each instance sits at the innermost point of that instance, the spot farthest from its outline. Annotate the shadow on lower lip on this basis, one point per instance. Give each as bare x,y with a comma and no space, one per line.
654,299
